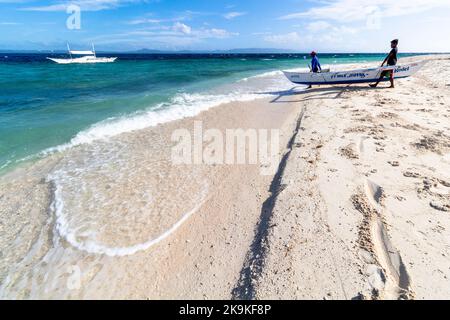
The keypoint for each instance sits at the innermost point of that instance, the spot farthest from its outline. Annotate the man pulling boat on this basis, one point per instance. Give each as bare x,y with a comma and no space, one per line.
391,60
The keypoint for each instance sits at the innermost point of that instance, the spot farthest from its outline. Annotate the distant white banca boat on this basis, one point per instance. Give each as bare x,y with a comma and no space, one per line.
353,76
88,57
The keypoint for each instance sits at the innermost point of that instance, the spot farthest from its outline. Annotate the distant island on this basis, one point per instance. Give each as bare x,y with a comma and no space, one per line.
156,51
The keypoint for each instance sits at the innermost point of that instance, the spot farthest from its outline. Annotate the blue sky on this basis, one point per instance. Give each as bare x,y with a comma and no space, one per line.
322,25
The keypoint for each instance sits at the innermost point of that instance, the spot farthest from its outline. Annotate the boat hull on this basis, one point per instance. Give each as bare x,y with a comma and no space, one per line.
83,60
352,77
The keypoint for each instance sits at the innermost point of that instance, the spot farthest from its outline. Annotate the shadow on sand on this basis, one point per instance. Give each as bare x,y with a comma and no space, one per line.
317,93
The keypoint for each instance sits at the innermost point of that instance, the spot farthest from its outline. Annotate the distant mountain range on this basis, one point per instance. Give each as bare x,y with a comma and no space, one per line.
231,51
153,51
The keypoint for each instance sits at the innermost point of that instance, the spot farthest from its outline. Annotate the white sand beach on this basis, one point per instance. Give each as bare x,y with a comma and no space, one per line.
364,211
359,207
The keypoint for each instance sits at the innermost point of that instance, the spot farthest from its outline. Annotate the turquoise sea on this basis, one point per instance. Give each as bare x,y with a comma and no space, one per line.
44,105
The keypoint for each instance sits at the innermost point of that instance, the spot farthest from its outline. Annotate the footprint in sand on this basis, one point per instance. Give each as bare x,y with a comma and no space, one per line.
410,174
349,151
437,143
394,163
439,206
438,190
388,115
362,146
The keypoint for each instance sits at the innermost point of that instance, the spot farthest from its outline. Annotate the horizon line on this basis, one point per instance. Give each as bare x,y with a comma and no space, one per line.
253,51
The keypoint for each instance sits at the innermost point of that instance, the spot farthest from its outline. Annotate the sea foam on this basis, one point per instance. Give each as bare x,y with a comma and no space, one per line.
180,106
70,186
89,244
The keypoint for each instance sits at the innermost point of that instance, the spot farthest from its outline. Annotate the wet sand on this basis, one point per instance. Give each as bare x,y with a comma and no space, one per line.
129,223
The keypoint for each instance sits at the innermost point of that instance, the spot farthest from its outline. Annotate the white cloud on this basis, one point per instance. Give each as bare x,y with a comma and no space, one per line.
49,8
261,33
315,36
178,35
234,14
181,27
7,23
215,33
334,24
318,26
357,10
178,30
144,21
288,38
150,19
85,5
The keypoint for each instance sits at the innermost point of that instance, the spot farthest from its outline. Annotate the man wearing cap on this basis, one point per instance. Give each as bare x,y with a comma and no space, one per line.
391,60
315,64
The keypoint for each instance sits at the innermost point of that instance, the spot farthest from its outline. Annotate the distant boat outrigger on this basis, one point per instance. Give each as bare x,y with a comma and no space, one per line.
353,76
88,57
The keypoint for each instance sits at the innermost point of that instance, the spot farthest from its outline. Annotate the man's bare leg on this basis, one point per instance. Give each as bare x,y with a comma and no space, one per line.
378,81
374,85
392,80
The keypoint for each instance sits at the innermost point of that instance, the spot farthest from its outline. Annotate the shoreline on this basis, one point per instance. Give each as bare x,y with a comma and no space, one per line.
92,130
277,228
234,195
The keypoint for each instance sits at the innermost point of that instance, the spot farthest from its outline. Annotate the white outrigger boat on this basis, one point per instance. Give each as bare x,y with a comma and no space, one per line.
88,57
352,76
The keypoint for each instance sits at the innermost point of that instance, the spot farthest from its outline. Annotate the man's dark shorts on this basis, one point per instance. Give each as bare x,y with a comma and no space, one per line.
387,73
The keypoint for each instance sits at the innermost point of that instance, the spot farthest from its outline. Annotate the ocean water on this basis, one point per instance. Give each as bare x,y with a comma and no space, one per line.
45,107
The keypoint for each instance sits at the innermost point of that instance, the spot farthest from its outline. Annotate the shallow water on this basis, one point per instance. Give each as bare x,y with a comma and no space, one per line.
45,105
